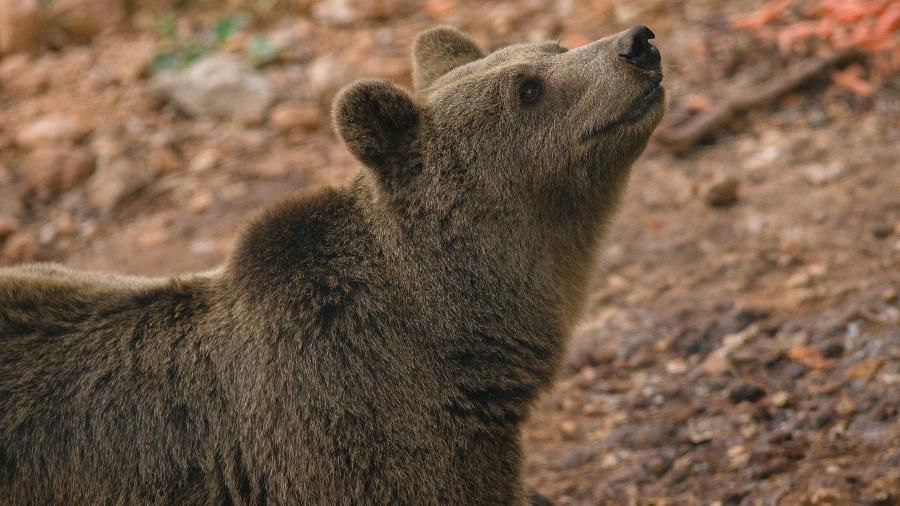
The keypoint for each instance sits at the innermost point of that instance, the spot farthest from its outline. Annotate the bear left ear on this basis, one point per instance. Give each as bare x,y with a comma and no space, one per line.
440,50
378,122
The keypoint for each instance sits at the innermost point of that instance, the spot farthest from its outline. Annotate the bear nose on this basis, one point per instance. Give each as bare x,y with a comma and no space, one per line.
634,47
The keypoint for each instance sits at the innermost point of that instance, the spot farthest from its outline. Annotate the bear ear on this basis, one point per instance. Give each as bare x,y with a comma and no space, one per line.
378,122
440,50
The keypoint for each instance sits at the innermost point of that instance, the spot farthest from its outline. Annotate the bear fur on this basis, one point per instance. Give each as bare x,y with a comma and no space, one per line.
375,343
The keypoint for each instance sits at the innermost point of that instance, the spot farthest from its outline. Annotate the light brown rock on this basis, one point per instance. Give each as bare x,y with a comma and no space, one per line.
52,128
291,116
52,170
721,192
23,26
82,20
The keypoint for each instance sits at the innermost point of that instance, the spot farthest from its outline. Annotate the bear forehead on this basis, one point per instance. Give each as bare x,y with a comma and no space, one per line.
495,63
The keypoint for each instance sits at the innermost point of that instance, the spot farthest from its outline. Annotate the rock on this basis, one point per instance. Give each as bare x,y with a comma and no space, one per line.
221,85
882,230
587,352
49,171
576,457
324,77
746,392
52,128
781,399
335,12
165,160
20,246
288,116
20,73
82,20
23,26
568,428
8,225
657,464
721,192
832,349
702,430
820,174
115,178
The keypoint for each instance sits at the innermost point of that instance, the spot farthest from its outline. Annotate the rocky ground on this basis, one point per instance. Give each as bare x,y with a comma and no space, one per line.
742,344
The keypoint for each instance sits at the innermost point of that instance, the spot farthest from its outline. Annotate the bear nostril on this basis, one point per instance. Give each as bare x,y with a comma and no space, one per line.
635,48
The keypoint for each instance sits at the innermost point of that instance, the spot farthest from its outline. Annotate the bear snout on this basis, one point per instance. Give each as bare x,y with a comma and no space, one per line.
635,48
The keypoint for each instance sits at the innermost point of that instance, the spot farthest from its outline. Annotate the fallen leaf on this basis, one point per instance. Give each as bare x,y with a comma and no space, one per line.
810,357
851,78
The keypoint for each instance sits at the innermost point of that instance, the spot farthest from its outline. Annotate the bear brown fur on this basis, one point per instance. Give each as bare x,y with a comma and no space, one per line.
375,343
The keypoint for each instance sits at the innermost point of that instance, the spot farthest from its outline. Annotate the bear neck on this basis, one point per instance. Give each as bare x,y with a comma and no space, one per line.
514,285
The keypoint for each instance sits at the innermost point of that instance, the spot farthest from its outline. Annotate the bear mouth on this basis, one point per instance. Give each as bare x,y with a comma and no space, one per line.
635,111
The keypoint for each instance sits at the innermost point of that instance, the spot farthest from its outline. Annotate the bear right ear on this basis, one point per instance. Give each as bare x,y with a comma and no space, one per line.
440,50
379,122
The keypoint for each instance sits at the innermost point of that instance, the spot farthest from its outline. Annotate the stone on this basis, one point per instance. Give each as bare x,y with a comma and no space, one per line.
335,12
23,26
657,464
290,116
218,86
114,180
746,392
52,128
20,246
8,225
324,77
568,428
781,399
721,192
820,174
82,20
49,171
22,74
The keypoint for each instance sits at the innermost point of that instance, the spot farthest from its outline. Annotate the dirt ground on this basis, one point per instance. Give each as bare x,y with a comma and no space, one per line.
742,341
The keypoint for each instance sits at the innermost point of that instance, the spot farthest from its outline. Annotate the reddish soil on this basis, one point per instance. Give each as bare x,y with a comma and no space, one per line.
740,354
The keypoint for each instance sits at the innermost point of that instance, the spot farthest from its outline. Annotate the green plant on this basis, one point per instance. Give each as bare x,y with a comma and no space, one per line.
176,53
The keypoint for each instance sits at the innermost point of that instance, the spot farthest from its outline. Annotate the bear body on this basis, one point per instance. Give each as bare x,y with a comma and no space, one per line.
375,343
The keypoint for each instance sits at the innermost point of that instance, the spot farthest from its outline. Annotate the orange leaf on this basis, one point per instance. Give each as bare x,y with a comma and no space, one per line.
851,78
763,16
436,8
889,20
574,40
697,103
810,357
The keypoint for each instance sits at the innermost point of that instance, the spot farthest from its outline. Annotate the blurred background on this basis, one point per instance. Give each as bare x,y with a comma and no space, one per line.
742,344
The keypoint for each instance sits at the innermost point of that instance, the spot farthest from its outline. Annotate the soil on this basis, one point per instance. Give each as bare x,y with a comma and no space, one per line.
742,341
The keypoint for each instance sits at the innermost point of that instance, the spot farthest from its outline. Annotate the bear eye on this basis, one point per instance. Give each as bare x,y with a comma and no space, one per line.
531,92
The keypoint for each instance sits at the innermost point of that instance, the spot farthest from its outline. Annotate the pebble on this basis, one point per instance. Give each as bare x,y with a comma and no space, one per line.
324,77
780,399
49,171
20,246
8,225
746,392
82,20
657,464
820,174
721,192
832,349
52,128
23,26
568,428
218,86
290,116
113,181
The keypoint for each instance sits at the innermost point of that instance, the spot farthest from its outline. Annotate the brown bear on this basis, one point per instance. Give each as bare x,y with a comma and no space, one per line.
374,343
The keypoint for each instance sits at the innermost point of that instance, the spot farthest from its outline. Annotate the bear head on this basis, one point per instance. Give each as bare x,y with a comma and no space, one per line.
533,129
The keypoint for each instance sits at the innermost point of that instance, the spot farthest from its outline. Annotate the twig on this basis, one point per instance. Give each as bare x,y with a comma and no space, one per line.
682,137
